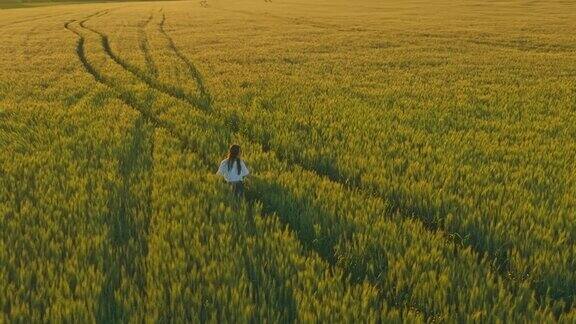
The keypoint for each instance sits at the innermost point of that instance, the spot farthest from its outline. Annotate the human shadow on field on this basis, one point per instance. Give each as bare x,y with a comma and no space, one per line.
128,221
318,230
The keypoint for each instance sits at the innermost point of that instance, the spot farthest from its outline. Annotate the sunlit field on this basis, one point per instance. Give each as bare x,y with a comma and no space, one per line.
412,161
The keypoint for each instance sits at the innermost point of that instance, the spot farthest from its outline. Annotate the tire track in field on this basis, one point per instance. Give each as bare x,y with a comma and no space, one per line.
126,97
145,47
307,246
192,70
80,52
152,82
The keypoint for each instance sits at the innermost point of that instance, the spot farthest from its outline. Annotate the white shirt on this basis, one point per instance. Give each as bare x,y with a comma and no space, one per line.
232,174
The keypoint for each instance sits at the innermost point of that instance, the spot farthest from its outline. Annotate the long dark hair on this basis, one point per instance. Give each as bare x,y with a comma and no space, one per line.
234,156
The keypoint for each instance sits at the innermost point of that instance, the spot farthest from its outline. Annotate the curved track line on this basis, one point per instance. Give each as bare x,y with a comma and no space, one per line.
193,71
172,91
125,97
145,47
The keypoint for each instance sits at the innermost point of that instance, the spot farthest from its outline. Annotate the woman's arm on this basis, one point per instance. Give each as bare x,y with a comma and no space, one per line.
244,170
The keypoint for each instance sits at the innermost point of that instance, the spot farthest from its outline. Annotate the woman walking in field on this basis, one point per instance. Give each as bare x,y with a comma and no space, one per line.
233,169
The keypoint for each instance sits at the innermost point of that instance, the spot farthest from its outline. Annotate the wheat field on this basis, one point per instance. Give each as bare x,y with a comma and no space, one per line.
412,161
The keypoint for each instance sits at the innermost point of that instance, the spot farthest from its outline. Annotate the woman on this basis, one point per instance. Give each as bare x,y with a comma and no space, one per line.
234,170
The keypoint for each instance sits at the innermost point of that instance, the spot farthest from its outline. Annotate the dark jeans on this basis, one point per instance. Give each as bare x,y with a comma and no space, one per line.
238,188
